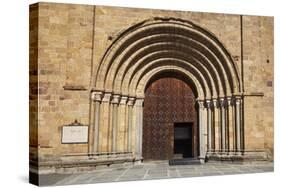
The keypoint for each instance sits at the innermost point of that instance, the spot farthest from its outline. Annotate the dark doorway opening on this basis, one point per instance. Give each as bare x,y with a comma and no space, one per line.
183,142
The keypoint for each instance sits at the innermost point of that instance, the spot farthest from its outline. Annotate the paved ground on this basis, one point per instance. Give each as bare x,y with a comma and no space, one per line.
155,170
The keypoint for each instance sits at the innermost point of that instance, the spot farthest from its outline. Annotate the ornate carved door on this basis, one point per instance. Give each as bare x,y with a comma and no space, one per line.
168,100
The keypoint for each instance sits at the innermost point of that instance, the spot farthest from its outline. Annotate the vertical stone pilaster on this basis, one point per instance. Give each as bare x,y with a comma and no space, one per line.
209,125
223,124
104,125
229,125
91,126
238,124
201,132
115,102
242,145
216,125
122,123
97,101
205,124
131,101
233,125
139,125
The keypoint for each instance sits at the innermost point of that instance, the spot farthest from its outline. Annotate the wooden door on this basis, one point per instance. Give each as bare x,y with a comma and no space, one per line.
167,100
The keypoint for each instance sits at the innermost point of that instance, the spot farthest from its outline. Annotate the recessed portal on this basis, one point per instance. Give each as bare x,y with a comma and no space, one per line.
169,102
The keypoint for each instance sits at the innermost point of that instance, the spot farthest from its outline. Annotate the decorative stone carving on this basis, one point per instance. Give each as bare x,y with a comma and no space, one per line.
106,97
139,102
229,101
214,103
123,100
200,104
131,101
115,99
208,103
97,96
222,102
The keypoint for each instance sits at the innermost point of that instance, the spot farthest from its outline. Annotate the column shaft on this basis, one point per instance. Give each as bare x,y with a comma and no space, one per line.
130,122
122,124
216,125
229,125
114,127
97,101
91,129
104,125
115,102
129,128
201,133
223,143
139,119
209,125
233,127
237,122
96,129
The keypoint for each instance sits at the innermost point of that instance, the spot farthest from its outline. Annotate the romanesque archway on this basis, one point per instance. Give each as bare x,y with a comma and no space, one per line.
172,45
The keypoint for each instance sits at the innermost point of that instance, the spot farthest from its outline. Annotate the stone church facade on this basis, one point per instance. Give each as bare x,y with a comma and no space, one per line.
131,76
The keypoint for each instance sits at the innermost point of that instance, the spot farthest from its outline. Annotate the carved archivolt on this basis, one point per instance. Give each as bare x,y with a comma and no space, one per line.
168,45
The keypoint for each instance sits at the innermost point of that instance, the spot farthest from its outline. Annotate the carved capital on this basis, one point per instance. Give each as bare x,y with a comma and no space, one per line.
123,100
106,97
200,104
208,104
238,100
131,101
215,103
97,96
229,101
139,102
222,102
115,99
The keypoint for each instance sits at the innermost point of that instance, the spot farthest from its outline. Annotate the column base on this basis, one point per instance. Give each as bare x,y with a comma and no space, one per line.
238,153
202,159
209,153
225,156
223,153
138,160
239,156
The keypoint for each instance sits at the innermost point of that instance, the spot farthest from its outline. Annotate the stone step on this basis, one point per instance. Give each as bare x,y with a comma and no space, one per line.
184,161
178,156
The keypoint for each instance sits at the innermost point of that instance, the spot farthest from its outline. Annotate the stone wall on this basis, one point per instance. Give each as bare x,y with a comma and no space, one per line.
64,67
72,40
33,82
258,81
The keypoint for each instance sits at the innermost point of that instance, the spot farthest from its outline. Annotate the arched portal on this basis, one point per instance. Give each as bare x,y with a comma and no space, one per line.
150,48
170,118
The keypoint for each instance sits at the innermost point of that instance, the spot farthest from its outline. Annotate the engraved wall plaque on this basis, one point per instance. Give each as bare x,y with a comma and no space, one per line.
74,134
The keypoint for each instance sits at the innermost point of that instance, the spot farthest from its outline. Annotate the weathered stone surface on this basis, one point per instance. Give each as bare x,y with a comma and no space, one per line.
130,173
68,43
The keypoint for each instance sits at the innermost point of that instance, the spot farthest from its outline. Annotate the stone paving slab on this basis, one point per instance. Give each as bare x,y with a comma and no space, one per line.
155,170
